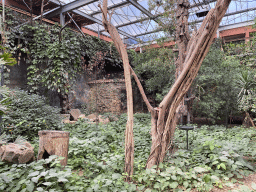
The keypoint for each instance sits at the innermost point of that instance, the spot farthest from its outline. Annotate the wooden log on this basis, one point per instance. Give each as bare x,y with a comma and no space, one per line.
53,143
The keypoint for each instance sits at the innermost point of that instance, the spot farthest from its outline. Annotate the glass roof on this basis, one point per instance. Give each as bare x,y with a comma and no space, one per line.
136,21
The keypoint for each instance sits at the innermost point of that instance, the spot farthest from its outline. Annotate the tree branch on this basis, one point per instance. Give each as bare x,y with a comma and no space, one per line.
150,108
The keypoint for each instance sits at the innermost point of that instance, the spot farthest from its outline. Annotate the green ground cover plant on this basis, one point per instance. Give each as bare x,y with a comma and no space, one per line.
96,160
27,114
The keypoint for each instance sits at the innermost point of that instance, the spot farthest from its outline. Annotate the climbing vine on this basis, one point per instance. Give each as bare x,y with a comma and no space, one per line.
55,55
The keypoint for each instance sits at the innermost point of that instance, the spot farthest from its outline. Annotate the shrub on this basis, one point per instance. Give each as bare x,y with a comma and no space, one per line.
27,114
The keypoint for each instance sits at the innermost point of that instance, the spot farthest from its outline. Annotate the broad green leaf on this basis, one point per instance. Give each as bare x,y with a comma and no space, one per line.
39,189
200,169
253,185
61,179
30,186
35,179
173,185
36,173
47,183
116,176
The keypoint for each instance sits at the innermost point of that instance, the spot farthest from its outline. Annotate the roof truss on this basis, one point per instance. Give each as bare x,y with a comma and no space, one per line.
76,4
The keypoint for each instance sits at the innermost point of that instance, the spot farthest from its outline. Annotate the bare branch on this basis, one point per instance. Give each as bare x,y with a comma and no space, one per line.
110,15
150,108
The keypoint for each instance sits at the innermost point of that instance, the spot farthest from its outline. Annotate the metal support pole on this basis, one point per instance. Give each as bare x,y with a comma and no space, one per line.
62,19
76,25
187,139
98,31
3,4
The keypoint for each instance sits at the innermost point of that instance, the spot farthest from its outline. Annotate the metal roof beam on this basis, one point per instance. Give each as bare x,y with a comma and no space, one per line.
37,17
143,10
111,7
229,14
202,3
154,16
100,23
133,22
85,2
70,7
198,21
148,32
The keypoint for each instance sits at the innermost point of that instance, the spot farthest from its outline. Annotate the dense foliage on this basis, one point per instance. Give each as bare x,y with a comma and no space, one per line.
27,114
156,69
96,159
53,63
245,53
56,55
216,87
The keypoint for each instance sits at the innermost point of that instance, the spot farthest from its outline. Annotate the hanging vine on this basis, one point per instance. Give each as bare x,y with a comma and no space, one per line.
55,55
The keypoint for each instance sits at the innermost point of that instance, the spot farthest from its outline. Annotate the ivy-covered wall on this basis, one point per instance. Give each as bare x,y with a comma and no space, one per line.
54,61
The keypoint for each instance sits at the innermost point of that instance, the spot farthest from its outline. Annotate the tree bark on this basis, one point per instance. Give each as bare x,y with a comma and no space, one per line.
53,143
197,48
163,117
129,141
182,39
182,33
248,122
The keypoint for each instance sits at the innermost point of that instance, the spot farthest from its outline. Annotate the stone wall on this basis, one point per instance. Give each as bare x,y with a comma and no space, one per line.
107,96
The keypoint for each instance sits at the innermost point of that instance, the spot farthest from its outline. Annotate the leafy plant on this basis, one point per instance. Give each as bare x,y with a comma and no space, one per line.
149,64
27,114
96,160
42,175
246,96
215,87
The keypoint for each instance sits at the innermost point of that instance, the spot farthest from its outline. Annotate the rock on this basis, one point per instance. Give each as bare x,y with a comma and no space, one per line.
75,113
82,116
15,153
103,119
92,117
66,121
65,118
72,122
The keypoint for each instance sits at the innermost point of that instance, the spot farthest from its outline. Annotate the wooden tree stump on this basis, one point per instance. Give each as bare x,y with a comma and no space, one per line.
53,143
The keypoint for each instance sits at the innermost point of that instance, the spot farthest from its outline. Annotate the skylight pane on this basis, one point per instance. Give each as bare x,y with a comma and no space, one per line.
67,1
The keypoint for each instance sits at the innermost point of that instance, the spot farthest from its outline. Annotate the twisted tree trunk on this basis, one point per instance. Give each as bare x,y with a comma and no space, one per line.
191,57
129,141
165,122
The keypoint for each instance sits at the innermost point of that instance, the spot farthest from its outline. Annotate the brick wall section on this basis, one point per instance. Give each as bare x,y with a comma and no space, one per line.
107,96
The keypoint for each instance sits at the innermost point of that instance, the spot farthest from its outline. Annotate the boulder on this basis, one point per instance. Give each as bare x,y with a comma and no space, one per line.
72,122
103,119
82,116
92,117
75,113
66,121
65,116
15,153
